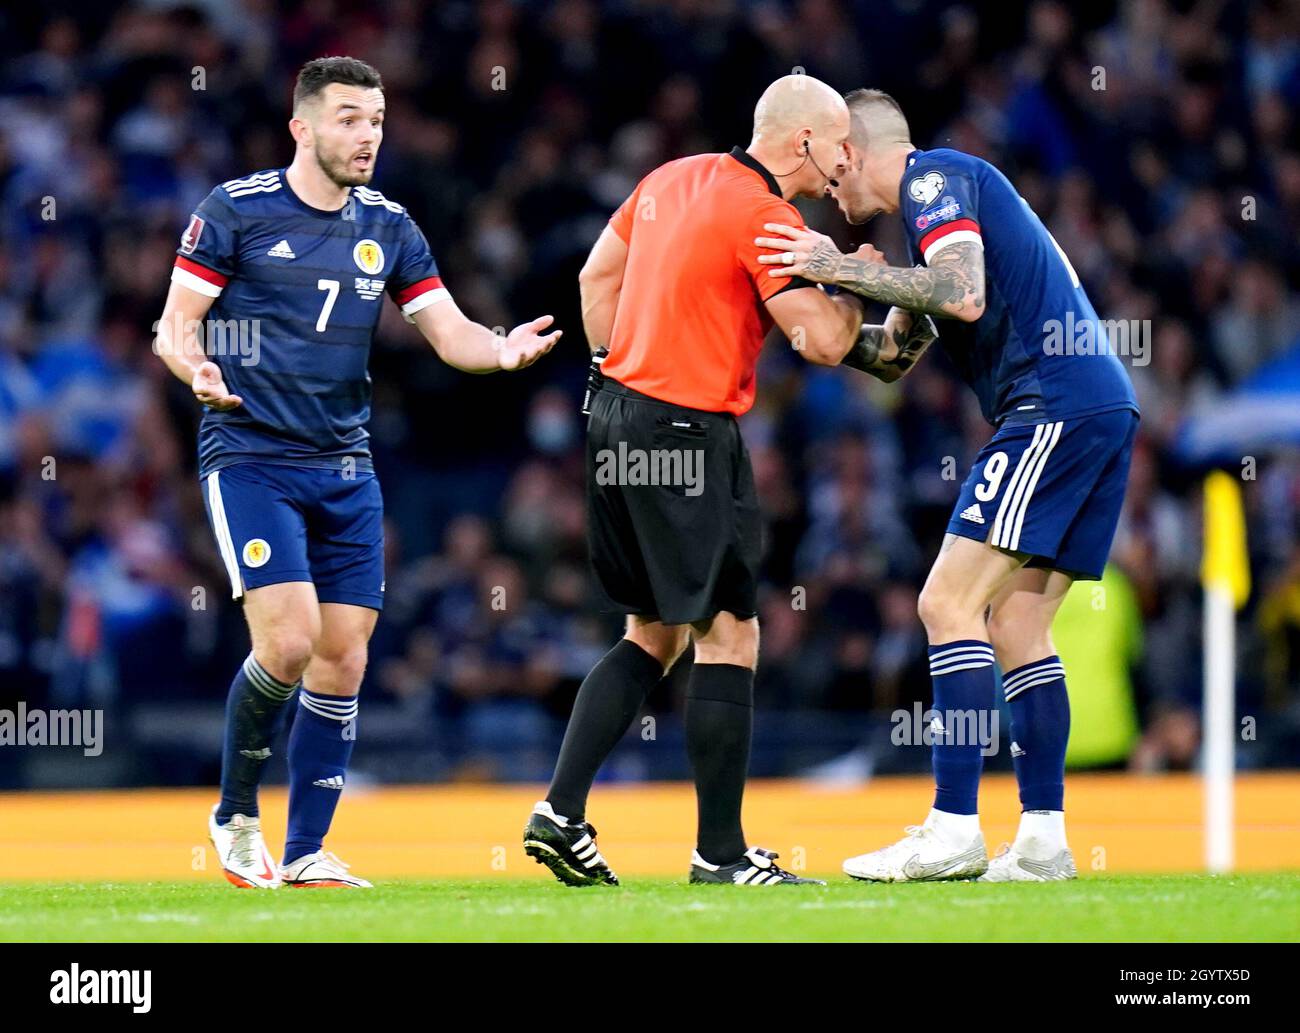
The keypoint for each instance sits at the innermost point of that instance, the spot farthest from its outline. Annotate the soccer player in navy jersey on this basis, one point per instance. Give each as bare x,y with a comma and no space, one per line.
274,299
1042,501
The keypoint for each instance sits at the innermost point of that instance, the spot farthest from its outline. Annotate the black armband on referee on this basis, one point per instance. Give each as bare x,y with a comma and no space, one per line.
595,379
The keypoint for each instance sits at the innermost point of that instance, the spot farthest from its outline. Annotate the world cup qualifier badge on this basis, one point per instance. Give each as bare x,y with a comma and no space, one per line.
369,257
190,238
256,552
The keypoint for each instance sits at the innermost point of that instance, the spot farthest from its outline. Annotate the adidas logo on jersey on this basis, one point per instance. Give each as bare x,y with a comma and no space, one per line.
282,250
333,782
1016,750
973,514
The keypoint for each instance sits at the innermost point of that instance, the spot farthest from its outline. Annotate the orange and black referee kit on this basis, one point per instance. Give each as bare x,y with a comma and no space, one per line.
681,367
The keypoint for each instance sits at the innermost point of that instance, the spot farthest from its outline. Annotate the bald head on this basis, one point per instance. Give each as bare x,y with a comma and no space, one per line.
794,102
801,128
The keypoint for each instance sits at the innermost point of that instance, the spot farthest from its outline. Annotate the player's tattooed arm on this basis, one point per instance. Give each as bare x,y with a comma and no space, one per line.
888,351
952,285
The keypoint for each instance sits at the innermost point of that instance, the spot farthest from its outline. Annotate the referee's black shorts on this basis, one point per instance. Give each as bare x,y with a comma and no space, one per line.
673,522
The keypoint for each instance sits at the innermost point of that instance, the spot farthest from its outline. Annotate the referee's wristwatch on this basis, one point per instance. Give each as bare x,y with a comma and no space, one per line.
595,379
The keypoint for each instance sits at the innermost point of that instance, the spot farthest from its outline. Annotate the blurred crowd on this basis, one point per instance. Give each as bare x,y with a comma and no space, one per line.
1158,139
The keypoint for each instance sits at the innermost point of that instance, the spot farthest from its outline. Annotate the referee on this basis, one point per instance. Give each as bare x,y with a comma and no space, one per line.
674,290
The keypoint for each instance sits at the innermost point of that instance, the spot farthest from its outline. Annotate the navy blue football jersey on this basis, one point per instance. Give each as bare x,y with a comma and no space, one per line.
298,293
1039,351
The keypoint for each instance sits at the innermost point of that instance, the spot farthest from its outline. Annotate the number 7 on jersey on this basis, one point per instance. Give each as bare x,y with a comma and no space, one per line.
332,287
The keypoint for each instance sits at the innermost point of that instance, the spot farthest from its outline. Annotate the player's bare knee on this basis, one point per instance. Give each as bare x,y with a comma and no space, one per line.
1019,638
284,653
940,612
339,669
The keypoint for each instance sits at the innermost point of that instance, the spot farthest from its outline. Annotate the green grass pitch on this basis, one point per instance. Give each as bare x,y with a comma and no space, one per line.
1162,908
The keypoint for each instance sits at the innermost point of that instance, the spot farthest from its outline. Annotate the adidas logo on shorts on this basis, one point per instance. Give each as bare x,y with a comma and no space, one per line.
973,514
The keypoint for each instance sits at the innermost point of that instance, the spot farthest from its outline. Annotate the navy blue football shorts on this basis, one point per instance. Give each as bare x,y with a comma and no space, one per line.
275,524
1052,490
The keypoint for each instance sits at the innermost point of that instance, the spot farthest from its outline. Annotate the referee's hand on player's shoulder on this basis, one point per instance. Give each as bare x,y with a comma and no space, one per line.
210,388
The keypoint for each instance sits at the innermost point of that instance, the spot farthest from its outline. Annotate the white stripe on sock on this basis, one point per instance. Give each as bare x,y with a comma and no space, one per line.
264,682
973,647
1056,669
976,659
312,703
1029,685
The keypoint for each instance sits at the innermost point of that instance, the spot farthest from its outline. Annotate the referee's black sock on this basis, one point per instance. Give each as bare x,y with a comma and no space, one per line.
719,724
609,699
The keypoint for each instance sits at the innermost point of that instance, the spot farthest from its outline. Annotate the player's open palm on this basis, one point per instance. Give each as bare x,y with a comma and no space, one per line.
209,387
526,343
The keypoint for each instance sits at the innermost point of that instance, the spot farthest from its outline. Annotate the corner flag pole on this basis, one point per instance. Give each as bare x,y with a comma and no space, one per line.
1225,576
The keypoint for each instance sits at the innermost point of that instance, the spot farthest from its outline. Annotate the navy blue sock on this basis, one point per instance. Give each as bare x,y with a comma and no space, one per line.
1040,730
253,709
320,744
964,686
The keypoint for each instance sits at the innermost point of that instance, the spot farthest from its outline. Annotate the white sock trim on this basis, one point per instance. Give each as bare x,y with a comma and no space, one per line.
1041,834
959,828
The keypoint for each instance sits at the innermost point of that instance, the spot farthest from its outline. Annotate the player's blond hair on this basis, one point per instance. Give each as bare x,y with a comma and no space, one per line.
876,118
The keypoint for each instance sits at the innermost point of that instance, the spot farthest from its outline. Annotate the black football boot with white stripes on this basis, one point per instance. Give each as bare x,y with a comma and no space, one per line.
567,848
757,867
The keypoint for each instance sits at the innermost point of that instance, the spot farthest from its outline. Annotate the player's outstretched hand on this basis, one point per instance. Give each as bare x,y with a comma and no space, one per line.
803,252
526,343
210,389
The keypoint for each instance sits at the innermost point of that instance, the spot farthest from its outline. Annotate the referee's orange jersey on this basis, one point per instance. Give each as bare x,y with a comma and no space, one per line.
691,316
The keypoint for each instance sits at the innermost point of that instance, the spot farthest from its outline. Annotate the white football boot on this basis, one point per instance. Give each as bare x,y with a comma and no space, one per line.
245,861
1014,864
1039,853
321,870
929,853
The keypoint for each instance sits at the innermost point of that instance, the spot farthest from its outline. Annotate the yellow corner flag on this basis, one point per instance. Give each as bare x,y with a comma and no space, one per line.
1224,564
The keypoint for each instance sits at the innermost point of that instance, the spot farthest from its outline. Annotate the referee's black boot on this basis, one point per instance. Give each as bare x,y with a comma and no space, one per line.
757,867
567,848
